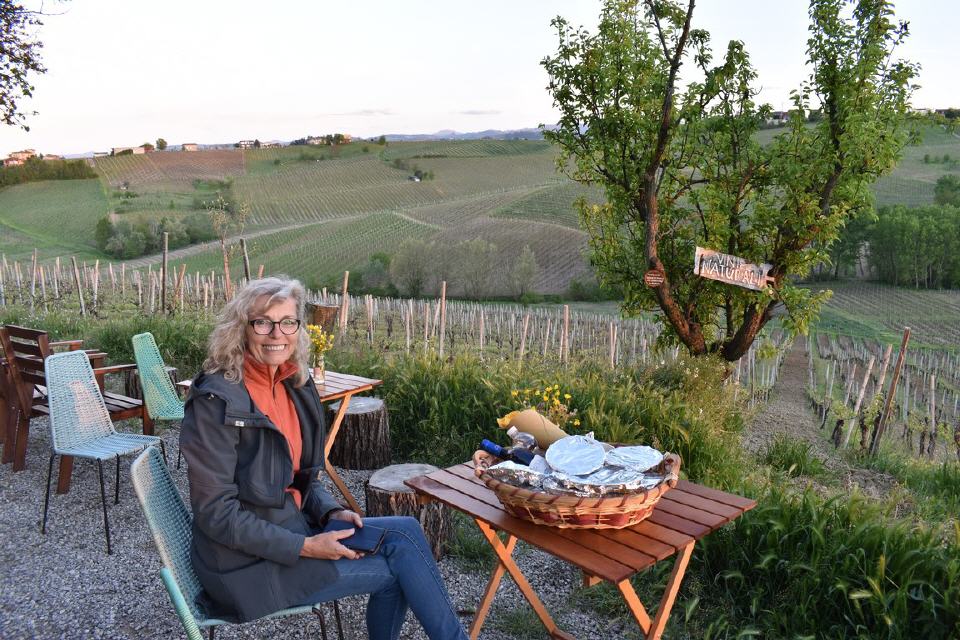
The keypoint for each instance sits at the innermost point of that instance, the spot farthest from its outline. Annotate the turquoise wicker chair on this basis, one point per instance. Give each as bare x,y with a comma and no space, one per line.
171,524
80,424
159,394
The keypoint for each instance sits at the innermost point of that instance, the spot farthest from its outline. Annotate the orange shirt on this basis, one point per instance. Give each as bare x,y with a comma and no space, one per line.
272,399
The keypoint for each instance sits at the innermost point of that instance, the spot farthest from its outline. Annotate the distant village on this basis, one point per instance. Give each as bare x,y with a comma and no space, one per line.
18,158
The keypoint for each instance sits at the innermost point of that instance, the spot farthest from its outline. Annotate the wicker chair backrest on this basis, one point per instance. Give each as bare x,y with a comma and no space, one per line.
78,414
170,522
158,391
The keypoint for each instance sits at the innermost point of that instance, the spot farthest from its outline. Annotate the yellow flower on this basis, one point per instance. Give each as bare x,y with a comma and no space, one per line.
567,396
545,397
576,423
514,393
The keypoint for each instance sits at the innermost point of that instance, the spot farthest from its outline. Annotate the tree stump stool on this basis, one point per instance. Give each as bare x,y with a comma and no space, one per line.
363,441
388,496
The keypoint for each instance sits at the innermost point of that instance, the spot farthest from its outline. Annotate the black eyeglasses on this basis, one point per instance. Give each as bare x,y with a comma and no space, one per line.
264,327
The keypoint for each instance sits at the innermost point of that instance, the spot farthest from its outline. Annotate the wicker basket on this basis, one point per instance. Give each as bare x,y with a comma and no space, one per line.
573,512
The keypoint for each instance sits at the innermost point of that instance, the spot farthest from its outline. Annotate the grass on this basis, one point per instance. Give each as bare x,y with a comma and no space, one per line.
793,457
520,622
468,546
934,486
57,216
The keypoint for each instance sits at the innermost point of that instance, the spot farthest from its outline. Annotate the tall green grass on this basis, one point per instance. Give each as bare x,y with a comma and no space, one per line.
802,566
441,409
793,457
935,487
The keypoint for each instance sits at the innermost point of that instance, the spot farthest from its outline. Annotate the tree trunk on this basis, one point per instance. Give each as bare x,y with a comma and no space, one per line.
388,496
364,438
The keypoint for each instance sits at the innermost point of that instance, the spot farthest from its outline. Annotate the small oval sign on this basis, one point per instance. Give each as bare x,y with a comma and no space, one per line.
653,278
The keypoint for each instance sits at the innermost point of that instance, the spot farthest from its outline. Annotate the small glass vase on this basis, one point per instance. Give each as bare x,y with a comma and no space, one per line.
319,370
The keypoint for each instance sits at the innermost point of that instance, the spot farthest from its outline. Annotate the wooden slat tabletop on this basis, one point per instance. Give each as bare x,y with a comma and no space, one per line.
684,514
336,385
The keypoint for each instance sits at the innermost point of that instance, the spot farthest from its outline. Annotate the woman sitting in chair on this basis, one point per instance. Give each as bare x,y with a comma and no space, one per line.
253,435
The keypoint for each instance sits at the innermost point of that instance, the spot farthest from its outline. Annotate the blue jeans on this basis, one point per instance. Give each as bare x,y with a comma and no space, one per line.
401,574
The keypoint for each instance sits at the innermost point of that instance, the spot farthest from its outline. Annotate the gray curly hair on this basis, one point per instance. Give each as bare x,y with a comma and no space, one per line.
228,341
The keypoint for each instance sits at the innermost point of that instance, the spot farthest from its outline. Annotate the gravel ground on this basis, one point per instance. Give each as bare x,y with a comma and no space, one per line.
64,585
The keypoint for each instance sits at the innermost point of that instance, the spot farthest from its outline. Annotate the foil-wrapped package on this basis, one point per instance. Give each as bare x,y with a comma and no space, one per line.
576,455
607,481
518,475
638,458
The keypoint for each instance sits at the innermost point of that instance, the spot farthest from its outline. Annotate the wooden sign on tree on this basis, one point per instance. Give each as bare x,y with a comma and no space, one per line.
723,267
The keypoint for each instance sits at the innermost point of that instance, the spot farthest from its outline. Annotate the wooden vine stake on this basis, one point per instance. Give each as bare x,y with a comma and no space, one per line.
246,259
178,291
443,314
856,408
163,272
344,301
76,278
481,334
881,427
523,336
565,337
932,435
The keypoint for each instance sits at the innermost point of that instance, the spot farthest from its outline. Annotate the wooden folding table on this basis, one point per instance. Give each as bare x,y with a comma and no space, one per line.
336,386
341,386
683,515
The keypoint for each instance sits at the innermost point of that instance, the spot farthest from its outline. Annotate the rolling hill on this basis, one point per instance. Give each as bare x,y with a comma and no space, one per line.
318,198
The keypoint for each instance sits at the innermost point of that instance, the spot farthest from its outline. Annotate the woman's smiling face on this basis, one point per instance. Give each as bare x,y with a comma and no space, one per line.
276,347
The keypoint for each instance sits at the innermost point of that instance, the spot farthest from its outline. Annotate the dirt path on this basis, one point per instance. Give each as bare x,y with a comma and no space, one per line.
789,412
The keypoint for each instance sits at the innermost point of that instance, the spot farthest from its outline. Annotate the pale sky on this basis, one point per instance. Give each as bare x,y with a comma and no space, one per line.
124,72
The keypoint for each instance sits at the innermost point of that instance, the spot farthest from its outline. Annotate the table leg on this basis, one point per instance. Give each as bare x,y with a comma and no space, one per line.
673,585
634,605
328,445
484,607
506,561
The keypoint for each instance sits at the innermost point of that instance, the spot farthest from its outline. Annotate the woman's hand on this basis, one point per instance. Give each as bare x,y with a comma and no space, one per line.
326,546
347,516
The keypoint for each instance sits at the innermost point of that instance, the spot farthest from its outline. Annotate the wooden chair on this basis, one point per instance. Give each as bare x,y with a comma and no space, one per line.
26,351
9,399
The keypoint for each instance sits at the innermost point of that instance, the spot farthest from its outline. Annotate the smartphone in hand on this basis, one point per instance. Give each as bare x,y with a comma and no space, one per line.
365,539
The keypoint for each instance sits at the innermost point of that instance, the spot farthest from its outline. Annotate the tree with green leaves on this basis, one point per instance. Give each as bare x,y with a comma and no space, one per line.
409,267
947,190
161,144
524,272
226,217
681,166
19,58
